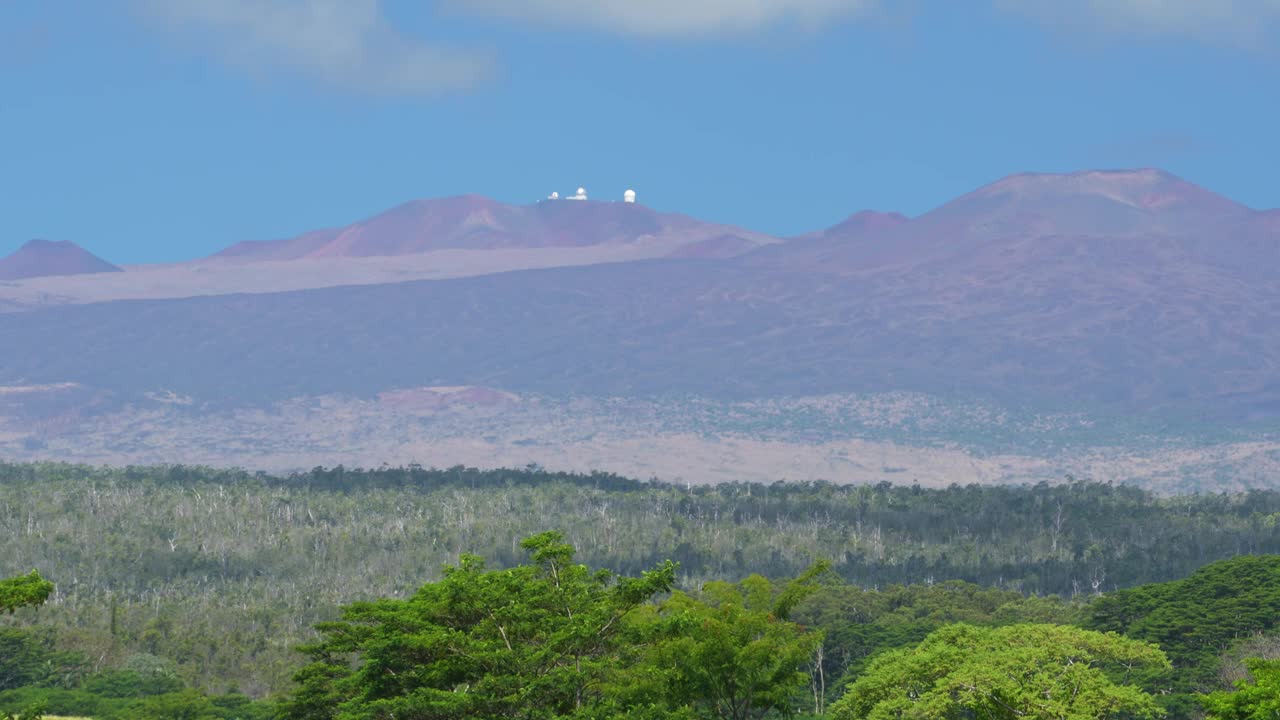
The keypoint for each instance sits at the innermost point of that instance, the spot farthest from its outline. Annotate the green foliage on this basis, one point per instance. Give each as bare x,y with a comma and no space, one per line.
729,653
34,712
533,641
28,657
141,676
1197,618
860,623
186,703
1051,672
223,573
54,701
23,591
1257,700
35,678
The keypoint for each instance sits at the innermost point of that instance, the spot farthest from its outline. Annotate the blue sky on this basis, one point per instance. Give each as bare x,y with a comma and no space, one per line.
161,130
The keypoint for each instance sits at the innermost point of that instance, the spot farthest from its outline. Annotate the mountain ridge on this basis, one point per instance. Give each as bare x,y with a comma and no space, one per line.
1016,297
476,222
1084,298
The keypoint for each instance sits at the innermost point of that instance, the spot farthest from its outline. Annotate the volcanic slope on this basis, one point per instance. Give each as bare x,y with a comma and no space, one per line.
473,222
44,258
1128,291
425,239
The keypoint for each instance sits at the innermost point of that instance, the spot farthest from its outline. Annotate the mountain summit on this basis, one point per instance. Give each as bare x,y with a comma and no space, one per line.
40,258
1094,202
1131,216
474,222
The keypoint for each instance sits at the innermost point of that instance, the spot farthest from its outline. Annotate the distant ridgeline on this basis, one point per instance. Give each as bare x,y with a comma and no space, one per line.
186,582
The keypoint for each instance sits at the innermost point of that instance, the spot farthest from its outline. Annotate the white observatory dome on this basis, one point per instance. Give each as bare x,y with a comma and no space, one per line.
629,196
582,192
554,196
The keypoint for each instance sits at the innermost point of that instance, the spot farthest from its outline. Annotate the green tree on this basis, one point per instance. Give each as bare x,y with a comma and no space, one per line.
184,705
534,641
30,658
1194,620
24,590
860,623
141,675
730,653
1047,672
35,712
1257,700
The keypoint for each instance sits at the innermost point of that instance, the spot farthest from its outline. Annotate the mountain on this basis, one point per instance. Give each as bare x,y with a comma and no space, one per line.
1138,212
472,222
1097,202
859,225
1120,205
426,239
1124,294
41,258
1011,292
813,250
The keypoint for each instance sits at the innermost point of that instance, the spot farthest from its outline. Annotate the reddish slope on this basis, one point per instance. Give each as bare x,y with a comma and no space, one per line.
1113,204
1142,213
866,222
478,223
40,258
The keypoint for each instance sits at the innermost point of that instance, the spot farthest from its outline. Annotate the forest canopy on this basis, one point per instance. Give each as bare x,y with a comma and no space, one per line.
539,640
183,585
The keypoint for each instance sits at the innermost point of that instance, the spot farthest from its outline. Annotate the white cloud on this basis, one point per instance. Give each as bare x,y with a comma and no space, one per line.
1239,22
670,17
1242,22
348,43
354,45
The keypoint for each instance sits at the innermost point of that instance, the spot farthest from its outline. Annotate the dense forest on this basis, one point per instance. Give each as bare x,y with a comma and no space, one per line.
191,587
